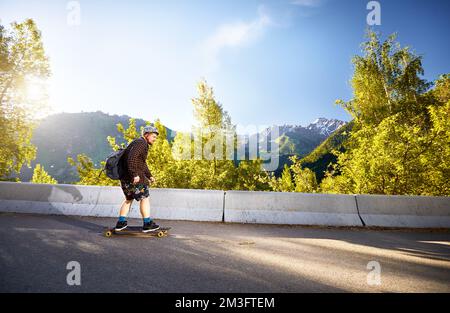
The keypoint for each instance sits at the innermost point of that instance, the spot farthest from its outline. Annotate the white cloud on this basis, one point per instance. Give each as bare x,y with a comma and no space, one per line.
234,35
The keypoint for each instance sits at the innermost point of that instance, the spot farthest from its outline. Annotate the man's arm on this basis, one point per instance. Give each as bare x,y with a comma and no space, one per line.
147,172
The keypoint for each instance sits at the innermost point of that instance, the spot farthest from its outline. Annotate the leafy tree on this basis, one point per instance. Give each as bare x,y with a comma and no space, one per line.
294,178
23,69
211,168
284,183
251,176
442,90
40,176
89,175
386,81
400,140
437,157
304,179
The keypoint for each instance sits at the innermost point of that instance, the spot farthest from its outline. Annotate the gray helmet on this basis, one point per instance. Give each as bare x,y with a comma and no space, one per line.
150,129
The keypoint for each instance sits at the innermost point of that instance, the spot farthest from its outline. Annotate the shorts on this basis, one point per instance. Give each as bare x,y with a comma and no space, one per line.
134,192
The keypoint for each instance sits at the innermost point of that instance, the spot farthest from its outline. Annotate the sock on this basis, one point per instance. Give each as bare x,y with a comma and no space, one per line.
122,218
147,220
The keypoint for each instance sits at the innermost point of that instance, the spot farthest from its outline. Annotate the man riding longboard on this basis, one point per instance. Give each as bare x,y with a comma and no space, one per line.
135,179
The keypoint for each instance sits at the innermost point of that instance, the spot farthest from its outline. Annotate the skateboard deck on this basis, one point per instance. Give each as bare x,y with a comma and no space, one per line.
136,231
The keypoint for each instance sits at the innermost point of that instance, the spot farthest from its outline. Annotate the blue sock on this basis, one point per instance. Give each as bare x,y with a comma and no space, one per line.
122,218
147,220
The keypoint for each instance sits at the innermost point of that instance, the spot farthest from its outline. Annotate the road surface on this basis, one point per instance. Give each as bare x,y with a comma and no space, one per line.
218,257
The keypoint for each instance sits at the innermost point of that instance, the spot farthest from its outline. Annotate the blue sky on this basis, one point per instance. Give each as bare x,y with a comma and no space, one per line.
270,62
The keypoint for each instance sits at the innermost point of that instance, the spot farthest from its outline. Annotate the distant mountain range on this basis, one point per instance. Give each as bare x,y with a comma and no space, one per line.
62,135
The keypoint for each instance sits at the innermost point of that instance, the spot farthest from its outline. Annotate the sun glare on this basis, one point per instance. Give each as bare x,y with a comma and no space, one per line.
35,89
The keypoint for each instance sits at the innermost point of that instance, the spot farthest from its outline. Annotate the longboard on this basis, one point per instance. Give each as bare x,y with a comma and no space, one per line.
136,231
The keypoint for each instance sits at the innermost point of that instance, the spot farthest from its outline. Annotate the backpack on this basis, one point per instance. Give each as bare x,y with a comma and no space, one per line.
112,164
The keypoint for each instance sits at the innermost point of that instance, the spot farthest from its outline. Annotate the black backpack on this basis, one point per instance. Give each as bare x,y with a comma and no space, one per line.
113,168
112,164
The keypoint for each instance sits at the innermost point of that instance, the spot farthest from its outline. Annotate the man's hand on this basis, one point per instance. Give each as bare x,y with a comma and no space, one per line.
136,180
152,179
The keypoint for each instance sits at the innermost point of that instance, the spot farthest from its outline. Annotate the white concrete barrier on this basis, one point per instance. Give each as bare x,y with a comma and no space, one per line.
232,206
177,204
291,208
404,211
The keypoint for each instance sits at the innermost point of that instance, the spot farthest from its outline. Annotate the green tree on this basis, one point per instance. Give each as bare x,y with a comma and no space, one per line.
295,178
400,141
437,157
284,183
442,90
251,176
211,168
304,179
89,175
40,176
23,70
386,81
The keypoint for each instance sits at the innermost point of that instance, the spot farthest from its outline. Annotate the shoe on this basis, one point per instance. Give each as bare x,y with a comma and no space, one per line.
121,225
152,226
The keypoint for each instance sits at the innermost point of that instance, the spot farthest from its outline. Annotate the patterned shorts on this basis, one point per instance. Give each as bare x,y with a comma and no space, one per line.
134,192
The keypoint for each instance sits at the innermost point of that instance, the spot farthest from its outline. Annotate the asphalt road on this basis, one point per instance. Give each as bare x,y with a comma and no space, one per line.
217,257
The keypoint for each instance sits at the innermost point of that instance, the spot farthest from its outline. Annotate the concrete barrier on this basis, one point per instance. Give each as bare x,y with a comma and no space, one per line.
291,208
177,204
232,206
404,211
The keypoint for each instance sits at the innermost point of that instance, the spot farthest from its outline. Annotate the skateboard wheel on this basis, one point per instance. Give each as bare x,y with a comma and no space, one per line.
108,233
160,234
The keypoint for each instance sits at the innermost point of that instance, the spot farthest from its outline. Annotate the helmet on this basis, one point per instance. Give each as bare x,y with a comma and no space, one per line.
150,129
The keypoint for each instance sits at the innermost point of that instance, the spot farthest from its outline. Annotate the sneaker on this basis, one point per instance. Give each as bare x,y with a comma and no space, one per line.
150,227
121,225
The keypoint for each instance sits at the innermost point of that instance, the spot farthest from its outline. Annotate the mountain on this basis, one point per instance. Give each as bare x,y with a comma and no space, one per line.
321,157
325,126
302,140
62,135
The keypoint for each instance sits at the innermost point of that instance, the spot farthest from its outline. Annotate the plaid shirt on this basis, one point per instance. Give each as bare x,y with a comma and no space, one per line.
134,161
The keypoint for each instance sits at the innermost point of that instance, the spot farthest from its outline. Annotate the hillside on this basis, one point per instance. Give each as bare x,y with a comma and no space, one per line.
62,135
320,158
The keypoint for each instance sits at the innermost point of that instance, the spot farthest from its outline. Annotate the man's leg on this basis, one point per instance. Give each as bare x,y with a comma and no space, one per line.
145,208
149,225
126,204
125,208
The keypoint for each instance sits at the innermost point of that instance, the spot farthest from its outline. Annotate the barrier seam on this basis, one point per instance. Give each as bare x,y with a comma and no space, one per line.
357,209
223,207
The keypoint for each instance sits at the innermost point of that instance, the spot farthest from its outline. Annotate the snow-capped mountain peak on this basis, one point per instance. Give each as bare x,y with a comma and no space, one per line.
326,126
